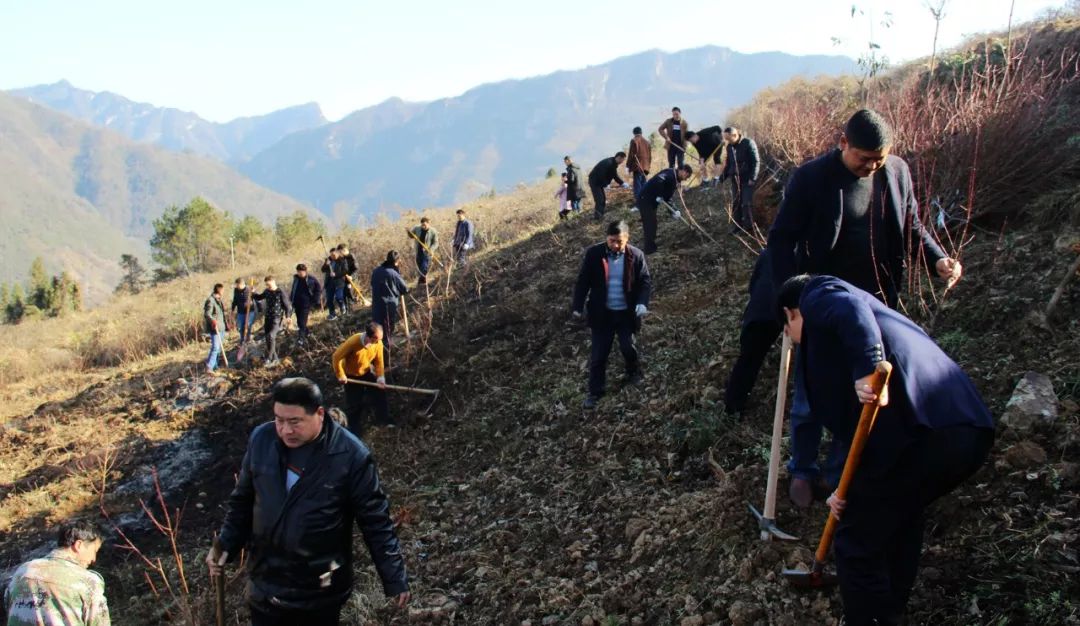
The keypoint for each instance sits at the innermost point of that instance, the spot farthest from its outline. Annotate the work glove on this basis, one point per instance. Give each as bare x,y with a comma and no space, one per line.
626,185
641,311
578,315
659,200
467,246
676,215
381,380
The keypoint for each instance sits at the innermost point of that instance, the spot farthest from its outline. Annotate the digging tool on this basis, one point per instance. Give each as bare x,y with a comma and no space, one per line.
767,521
219,587
423,245
326,251
817,576
405,315
434,393
356,291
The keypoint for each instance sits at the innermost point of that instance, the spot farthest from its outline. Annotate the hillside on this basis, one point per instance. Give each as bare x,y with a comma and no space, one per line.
515,506
497,135
181,131
81,196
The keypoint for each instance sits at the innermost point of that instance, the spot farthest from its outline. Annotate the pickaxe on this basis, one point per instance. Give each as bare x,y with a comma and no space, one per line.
219,587
767,521
426,392
817,576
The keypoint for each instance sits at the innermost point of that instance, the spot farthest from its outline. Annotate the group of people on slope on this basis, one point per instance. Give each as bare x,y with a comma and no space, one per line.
728,147
830,278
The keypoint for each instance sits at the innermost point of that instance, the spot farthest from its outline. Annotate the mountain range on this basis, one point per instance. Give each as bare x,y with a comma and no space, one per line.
80,196
181,131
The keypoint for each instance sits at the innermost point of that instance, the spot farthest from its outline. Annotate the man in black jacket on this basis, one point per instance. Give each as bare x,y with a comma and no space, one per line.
387,287
742,168
760,329
659,188
575,187
615,279
305,294
334,270
303,481
600,177
242,309
850,213
276,312
350,274
708,142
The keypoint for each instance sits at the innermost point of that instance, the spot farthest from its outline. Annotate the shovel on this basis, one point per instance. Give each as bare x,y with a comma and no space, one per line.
817,576
767,521
219,588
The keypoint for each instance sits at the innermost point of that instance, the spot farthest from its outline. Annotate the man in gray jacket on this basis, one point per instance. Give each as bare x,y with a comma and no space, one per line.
214,322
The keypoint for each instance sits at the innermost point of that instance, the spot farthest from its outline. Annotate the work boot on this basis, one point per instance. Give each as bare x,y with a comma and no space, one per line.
801,492
590,402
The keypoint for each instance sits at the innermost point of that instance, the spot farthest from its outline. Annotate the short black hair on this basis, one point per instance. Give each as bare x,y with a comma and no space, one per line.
686,168
618,227
620,153
673,109
690,135
239,281
391,258
342,246
218,287
425,220
300,267
730,129
868,130
76,530
372,327
637,130
566,158
460,211
298,391
789,295
268,278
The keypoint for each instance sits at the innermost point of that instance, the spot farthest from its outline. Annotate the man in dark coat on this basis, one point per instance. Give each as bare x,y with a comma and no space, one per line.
850,213
659,188
742,168
305,294
600,177
427,242
932,433
575,186
335,269
464,234
760,329
303,481
615,278
387,287
276,313
639,161
709,143
242,309
350,274
214,323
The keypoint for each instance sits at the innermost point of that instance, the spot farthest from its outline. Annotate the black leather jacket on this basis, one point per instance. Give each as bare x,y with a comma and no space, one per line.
300,541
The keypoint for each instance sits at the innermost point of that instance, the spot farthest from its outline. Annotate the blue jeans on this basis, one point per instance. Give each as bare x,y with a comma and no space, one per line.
243,323
639,184
423,263
215,351
806,439
335,299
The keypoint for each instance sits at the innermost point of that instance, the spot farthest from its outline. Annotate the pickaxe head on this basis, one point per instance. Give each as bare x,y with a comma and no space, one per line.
817,578
768,527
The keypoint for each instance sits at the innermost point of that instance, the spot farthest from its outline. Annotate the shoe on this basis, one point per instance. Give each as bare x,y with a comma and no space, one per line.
801,492
633,209
634,379
590,402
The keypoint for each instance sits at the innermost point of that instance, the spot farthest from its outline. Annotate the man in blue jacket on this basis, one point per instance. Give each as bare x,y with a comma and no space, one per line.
850,213
303,482
463,237
305,294
660,187
932,433
615,278
387,287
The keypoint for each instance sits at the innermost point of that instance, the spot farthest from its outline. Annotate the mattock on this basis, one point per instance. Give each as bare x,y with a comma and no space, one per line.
767,521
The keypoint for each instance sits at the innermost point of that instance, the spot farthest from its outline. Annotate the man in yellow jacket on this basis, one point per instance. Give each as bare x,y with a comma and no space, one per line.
361,358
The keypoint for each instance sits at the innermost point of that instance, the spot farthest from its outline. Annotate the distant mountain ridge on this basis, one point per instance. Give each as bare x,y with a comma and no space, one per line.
80,196
232,142
400,154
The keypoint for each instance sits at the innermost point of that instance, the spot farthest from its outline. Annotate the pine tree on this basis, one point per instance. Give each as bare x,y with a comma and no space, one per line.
134,278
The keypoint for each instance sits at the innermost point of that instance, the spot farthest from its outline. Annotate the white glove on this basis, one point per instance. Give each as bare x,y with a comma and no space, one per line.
381,380
640,310
626,185
676,215
659,200
578,315
467,246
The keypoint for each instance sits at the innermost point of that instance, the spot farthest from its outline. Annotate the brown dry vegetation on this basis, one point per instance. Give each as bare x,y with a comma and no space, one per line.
514,506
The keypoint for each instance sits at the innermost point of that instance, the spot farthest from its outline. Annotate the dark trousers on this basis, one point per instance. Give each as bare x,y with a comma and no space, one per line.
639,183
359,399
599,197
647,208
270,333
423,264
460,254
755,341
806,439
880,535
604,331
335,297
742,202
675,154
385,313
265,616
302,313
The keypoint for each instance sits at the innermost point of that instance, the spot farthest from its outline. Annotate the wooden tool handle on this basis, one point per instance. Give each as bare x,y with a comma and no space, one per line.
778,428
219,588
879,381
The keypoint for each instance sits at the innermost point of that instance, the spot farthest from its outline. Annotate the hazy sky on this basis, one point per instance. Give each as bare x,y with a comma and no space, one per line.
229,58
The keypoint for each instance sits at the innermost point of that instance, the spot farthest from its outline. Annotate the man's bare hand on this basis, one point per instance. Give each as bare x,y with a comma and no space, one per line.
865,390
950,270
836,505
402,599
216,567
